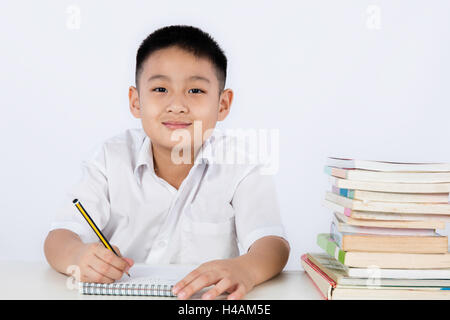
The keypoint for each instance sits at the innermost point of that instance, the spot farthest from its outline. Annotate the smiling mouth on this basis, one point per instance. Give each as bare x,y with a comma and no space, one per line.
176,124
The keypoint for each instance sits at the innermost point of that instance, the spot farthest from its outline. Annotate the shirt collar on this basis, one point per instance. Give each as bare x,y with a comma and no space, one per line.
145,155
206,152
144,158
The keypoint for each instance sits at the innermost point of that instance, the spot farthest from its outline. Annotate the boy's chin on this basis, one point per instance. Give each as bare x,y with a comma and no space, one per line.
177,145
180,153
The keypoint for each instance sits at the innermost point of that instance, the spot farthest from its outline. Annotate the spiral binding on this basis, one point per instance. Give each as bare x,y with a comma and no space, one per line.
127,289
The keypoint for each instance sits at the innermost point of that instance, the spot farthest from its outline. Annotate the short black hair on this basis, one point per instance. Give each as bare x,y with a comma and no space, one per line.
189,38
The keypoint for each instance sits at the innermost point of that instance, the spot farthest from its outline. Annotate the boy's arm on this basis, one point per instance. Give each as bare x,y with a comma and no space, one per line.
265,259
60,248
63,248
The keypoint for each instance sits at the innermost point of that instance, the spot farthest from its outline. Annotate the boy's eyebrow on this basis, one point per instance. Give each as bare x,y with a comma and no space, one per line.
164,77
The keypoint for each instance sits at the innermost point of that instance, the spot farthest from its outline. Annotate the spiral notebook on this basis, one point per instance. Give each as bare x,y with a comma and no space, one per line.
146,280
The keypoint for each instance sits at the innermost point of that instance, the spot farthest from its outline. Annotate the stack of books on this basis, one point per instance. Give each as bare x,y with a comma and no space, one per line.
384,240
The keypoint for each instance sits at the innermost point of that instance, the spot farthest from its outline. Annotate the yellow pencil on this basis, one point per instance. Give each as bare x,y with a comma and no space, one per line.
94,227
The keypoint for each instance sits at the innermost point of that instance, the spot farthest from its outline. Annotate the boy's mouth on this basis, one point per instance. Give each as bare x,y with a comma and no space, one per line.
176,124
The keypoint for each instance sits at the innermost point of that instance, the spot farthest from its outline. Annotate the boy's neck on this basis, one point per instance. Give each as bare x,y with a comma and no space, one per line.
166,169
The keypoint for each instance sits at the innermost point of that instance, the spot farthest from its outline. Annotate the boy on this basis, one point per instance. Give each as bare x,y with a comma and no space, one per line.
158,208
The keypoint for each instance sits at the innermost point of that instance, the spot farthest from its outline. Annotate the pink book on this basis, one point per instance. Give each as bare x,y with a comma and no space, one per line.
321,280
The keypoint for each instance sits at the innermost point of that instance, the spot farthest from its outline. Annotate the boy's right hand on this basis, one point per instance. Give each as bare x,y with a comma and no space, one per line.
100,265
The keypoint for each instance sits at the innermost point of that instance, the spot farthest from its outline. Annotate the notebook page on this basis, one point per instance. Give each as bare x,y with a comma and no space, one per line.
156,274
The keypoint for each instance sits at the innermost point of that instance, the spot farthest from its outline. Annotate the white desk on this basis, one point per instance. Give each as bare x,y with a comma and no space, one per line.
37,280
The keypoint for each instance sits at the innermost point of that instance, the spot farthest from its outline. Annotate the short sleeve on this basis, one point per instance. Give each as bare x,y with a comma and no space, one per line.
257,212
92,191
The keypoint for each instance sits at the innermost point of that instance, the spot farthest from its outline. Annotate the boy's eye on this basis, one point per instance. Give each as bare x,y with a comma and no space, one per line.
197,90
160,89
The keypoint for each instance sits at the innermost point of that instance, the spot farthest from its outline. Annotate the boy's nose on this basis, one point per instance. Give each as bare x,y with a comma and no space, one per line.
177,108
177,105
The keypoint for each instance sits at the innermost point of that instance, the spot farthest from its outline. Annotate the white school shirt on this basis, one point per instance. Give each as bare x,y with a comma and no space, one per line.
217,208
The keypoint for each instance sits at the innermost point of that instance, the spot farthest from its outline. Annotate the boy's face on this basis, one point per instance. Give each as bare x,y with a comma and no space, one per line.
176,89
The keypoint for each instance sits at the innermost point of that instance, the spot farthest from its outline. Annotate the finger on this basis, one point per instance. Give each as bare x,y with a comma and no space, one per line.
203,280
239,293
129,261
116,249
186,280
91,275
232,288
218,289
105,268
110,258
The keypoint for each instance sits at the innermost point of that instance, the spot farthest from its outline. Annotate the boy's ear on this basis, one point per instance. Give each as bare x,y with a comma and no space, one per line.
226,97
133,97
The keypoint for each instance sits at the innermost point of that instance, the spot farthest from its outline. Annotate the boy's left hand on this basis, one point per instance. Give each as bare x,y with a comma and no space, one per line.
230,275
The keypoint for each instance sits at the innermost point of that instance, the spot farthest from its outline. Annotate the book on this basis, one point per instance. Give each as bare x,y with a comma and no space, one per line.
391,260
391,177
388,243
343,227
320,279
387,165
398,216
331,290
377,276
391,196
391,293
146,280
387,215
393,207
407,224
391,187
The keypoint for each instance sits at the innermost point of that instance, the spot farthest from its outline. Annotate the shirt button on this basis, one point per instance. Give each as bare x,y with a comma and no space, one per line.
162,243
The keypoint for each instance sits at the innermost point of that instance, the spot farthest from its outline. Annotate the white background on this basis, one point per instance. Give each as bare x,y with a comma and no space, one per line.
333,76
